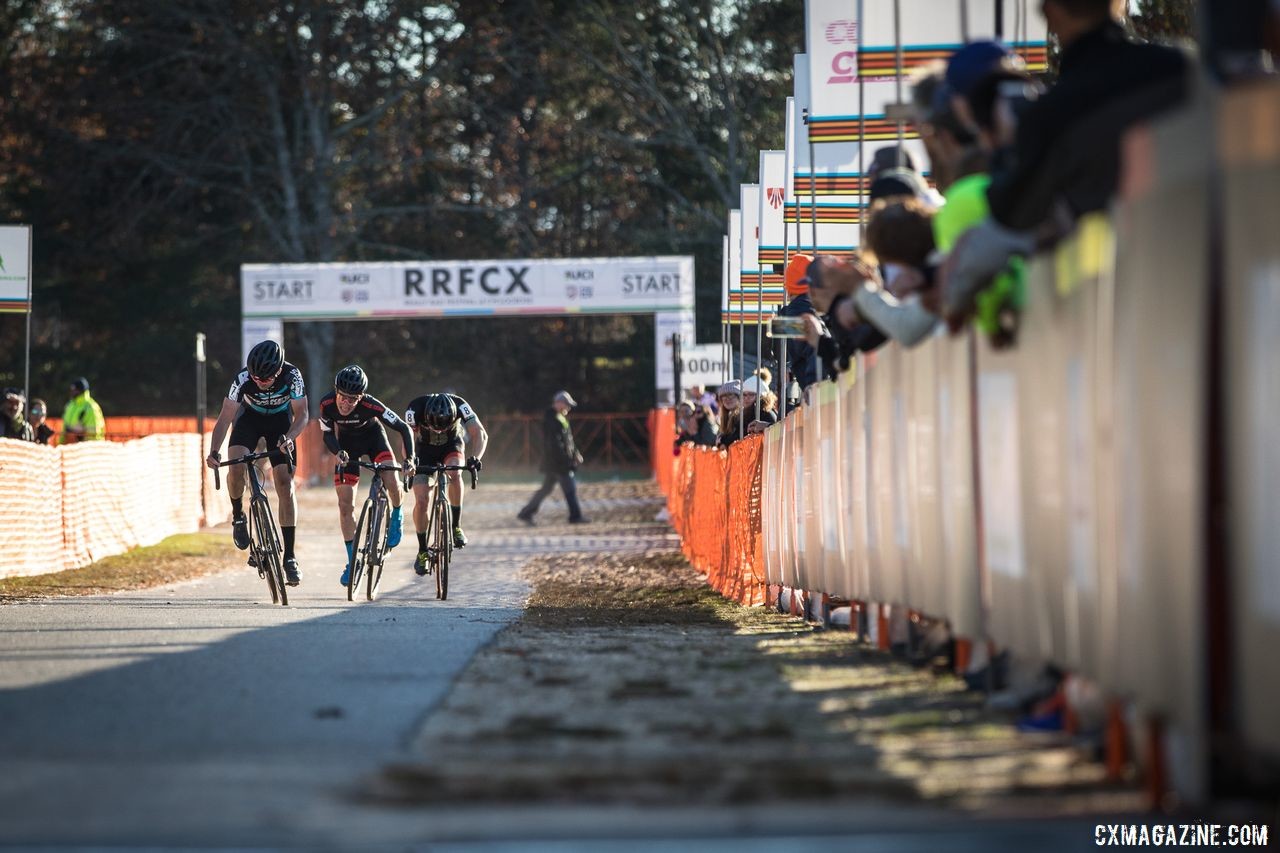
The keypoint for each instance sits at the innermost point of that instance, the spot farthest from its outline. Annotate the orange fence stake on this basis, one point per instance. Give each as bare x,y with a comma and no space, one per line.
964,653
882,627
1157,773
1117,747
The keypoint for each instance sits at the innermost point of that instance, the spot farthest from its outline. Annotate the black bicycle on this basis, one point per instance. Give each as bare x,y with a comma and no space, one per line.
265,551
440,526
369,548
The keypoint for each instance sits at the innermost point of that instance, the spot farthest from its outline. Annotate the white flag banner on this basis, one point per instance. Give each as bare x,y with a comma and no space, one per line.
15,269
773,173
789,152
749,200
733,293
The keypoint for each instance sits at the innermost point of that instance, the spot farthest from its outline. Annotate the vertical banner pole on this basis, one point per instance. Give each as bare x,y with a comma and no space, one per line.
897,78
676,359
759,328
26,376
862,128
200,411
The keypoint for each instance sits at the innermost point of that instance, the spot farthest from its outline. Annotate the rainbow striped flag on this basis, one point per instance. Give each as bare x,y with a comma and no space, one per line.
824,212
870,128
881,63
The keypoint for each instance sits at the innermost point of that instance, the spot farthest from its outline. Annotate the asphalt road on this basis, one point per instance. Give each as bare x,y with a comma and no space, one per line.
201,714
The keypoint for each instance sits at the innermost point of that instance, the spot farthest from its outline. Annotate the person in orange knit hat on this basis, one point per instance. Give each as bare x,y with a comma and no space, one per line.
802,360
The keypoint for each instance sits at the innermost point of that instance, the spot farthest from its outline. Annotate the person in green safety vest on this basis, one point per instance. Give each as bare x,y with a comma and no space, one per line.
82,418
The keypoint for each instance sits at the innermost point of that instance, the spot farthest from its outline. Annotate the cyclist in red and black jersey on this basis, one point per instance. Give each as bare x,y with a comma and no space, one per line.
352,424
270,400
439,422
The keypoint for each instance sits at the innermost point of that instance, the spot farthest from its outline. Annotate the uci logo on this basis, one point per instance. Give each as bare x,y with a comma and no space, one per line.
774,194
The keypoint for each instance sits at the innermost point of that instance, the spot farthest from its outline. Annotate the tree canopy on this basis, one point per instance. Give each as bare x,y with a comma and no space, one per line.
155,147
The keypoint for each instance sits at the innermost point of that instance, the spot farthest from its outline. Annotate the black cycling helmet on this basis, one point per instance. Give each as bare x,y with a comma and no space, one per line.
265,359
351,380
441,411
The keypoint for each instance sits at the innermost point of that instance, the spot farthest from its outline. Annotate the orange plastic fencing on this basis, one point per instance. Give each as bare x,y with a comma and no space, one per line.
714,503
65,507
129,427
662,437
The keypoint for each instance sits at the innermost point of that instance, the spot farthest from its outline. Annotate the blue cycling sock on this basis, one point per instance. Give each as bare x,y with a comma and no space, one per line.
350,543
395,514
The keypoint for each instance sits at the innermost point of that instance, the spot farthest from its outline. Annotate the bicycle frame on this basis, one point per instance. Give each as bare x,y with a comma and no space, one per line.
264,538
436,525
369,547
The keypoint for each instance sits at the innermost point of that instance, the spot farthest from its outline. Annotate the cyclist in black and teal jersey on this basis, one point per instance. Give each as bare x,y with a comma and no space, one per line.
271,400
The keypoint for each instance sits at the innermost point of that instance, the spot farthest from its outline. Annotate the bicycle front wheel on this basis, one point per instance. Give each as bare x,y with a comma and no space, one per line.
358,553
377,547
444,547
270,552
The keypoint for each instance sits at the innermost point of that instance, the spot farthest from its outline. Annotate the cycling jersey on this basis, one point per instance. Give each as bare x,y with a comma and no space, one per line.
354,429
416,417
288,386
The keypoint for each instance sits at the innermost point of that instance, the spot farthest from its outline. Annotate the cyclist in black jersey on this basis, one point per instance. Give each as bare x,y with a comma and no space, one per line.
351,422
439,422
271,400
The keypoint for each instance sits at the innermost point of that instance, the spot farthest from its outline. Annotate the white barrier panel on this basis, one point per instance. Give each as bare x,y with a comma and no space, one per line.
1252,307
70,506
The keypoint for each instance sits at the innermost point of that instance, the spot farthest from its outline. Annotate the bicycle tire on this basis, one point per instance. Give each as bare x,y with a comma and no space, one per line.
258,544
377,535
271,555
357,555
444,547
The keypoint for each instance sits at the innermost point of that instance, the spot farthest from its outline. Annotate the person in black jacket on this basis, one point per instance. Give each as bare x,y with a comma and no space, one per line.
696,425
560,458
802,363
12,423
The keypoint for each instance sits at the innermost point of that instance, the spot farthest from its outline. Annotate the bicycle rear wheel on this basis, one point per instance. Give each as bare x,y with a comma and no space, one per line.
444,546
357,554
270,552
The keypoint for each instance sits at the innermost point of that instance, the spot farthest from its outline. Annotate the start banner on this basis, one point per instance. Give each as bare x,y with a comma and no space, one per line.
640,285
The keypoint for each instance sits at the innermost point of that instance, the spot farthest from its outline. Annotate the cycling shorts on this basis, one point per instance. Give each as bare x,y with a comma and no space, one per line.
367,442
437,454
251,426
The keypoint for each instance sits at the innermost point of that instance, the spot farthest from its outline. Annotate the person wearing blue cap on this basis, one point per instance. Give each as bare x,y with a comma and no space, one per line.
968,67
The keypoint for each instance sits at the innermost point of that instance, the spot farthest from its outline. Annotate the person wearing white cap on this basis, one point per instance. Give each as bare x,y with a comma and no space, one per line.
560,459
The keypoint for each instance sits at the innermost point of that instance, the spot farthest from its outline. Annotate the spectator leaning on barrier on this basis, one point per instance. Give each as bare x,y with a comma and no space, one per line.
701,396
12,423
82,418
758,387
560,459
1065,158
841,331
802,360
697,425
730,396
41,433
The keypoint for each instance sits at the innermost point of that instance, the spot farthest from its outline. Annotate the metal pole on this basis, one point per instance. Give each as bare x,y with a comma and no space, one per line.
759,327
813,198
742,363
26,376
964,21
897,78
675,369
862,127
200,412
999,20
